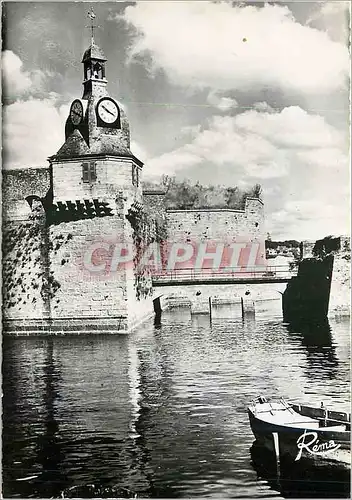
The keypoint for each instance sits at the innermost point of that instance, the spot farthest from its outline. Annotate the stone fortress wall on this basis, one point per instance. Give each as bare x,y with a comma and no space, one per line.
212,226
218,224
17,185
45,280
44,276
340,293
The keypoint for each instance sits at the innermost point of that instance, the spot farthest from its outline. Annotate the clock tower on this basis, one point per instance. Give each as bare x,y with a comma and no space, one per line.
95,190
96,158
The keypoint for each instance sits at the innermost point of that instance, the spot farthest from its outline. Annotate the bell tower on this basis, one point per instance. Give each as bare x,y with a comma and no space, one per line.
94,81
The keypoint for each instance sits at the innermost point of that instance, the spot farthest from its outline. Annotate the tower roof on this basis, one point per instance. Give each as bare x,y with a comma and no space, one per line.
94,52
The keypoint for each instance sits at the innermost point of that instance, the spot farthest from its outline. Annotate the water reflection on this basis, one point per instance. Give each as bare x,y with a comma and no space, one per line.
299,479
159,413
30,437
157,320
317,339
49,452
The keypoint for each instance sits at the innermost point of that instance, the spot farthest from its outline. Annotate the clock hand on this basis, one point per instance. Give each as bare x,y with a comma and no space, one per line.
106,109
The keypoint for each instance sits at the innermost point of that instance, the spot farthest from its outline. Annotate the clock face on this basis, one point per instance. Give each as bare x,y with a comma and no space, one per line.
76,112
108,111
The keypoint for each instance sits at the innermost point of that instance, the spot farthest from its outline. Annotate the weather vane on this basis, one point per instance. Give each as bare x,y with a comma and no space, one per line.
92,26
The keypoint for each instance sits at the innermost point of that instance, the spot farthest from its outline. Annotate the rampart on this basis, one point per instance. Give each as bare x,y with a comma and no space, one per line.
46,288
219,224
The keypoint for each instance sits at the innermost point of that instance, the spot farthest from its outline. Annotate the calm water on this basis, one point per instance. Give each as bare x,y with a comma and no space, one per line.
159,413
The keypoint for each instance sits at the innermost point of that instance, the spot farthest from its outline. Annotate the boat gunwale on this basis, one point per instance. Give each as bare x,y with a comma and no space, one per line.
343,433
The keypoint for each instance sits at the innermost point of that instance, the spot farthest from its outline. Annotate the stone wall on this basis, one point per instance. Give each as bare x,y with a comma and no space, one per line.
51,283
145,228
85,292
45,277
215,227
218,224
16,185
340,294
24,270
306,298
112,175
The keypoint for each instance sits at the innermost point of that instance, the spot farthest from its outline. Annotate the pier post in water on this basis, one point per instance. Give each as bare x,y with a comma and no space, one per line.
277,455
247,305
210,308
199,303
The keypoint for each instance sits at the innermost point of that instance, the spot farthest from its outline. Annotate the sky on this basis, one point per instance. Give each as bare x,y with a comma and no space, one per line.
232,93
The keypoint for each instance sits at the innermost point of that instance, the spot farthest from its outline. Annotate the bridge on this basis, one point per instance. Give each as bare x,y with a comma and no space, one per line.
235,275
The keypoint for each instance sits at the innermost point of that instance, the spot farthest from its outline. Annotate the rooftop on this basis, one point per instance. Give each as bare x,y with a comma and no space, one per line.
94,52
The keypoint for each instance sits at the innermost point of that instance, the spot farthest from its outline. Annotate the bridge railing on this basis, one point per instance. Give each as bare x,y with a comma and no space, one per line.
228,272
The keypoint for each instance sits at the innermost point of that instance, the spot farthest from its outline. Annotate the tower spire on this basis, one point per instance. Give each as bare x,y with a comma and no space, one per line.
94,65
92,26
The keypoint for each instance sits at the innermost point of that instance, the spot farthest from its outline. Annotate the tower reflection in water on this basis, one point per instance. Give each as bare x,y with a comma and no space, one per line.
49,450
317,340
34,464
71,411
121,472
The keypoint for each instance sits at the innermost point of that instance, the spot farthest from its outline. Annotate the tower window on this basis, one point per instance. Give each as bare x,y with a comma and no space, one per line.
98,71
89,171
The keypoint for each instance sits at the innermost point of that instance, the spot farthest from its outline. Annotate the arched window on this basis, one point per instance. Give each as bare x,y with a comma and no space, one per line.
97,70
87,71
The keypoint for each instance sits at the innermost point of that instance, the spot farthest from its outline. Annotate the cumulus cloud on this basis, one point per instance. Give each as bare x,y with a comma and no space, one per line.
220,102
254,140
335,7
33,126
263,106
230,47
190,131
292,128
309,219
333,18
298,157
17,81
34,130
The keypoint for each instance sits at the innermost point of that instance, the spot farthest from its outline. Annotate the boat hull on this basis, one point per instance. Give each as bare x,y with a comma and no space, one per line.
303,479
318,445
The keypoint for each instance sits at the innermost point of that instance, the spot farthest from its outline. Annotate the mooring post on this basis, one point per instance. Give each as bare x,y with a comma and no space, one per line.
248,306
277,455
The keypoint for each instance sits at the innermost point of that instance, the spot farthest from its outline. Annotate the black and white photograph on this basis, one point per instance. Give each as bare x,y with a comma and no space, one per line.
176,249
